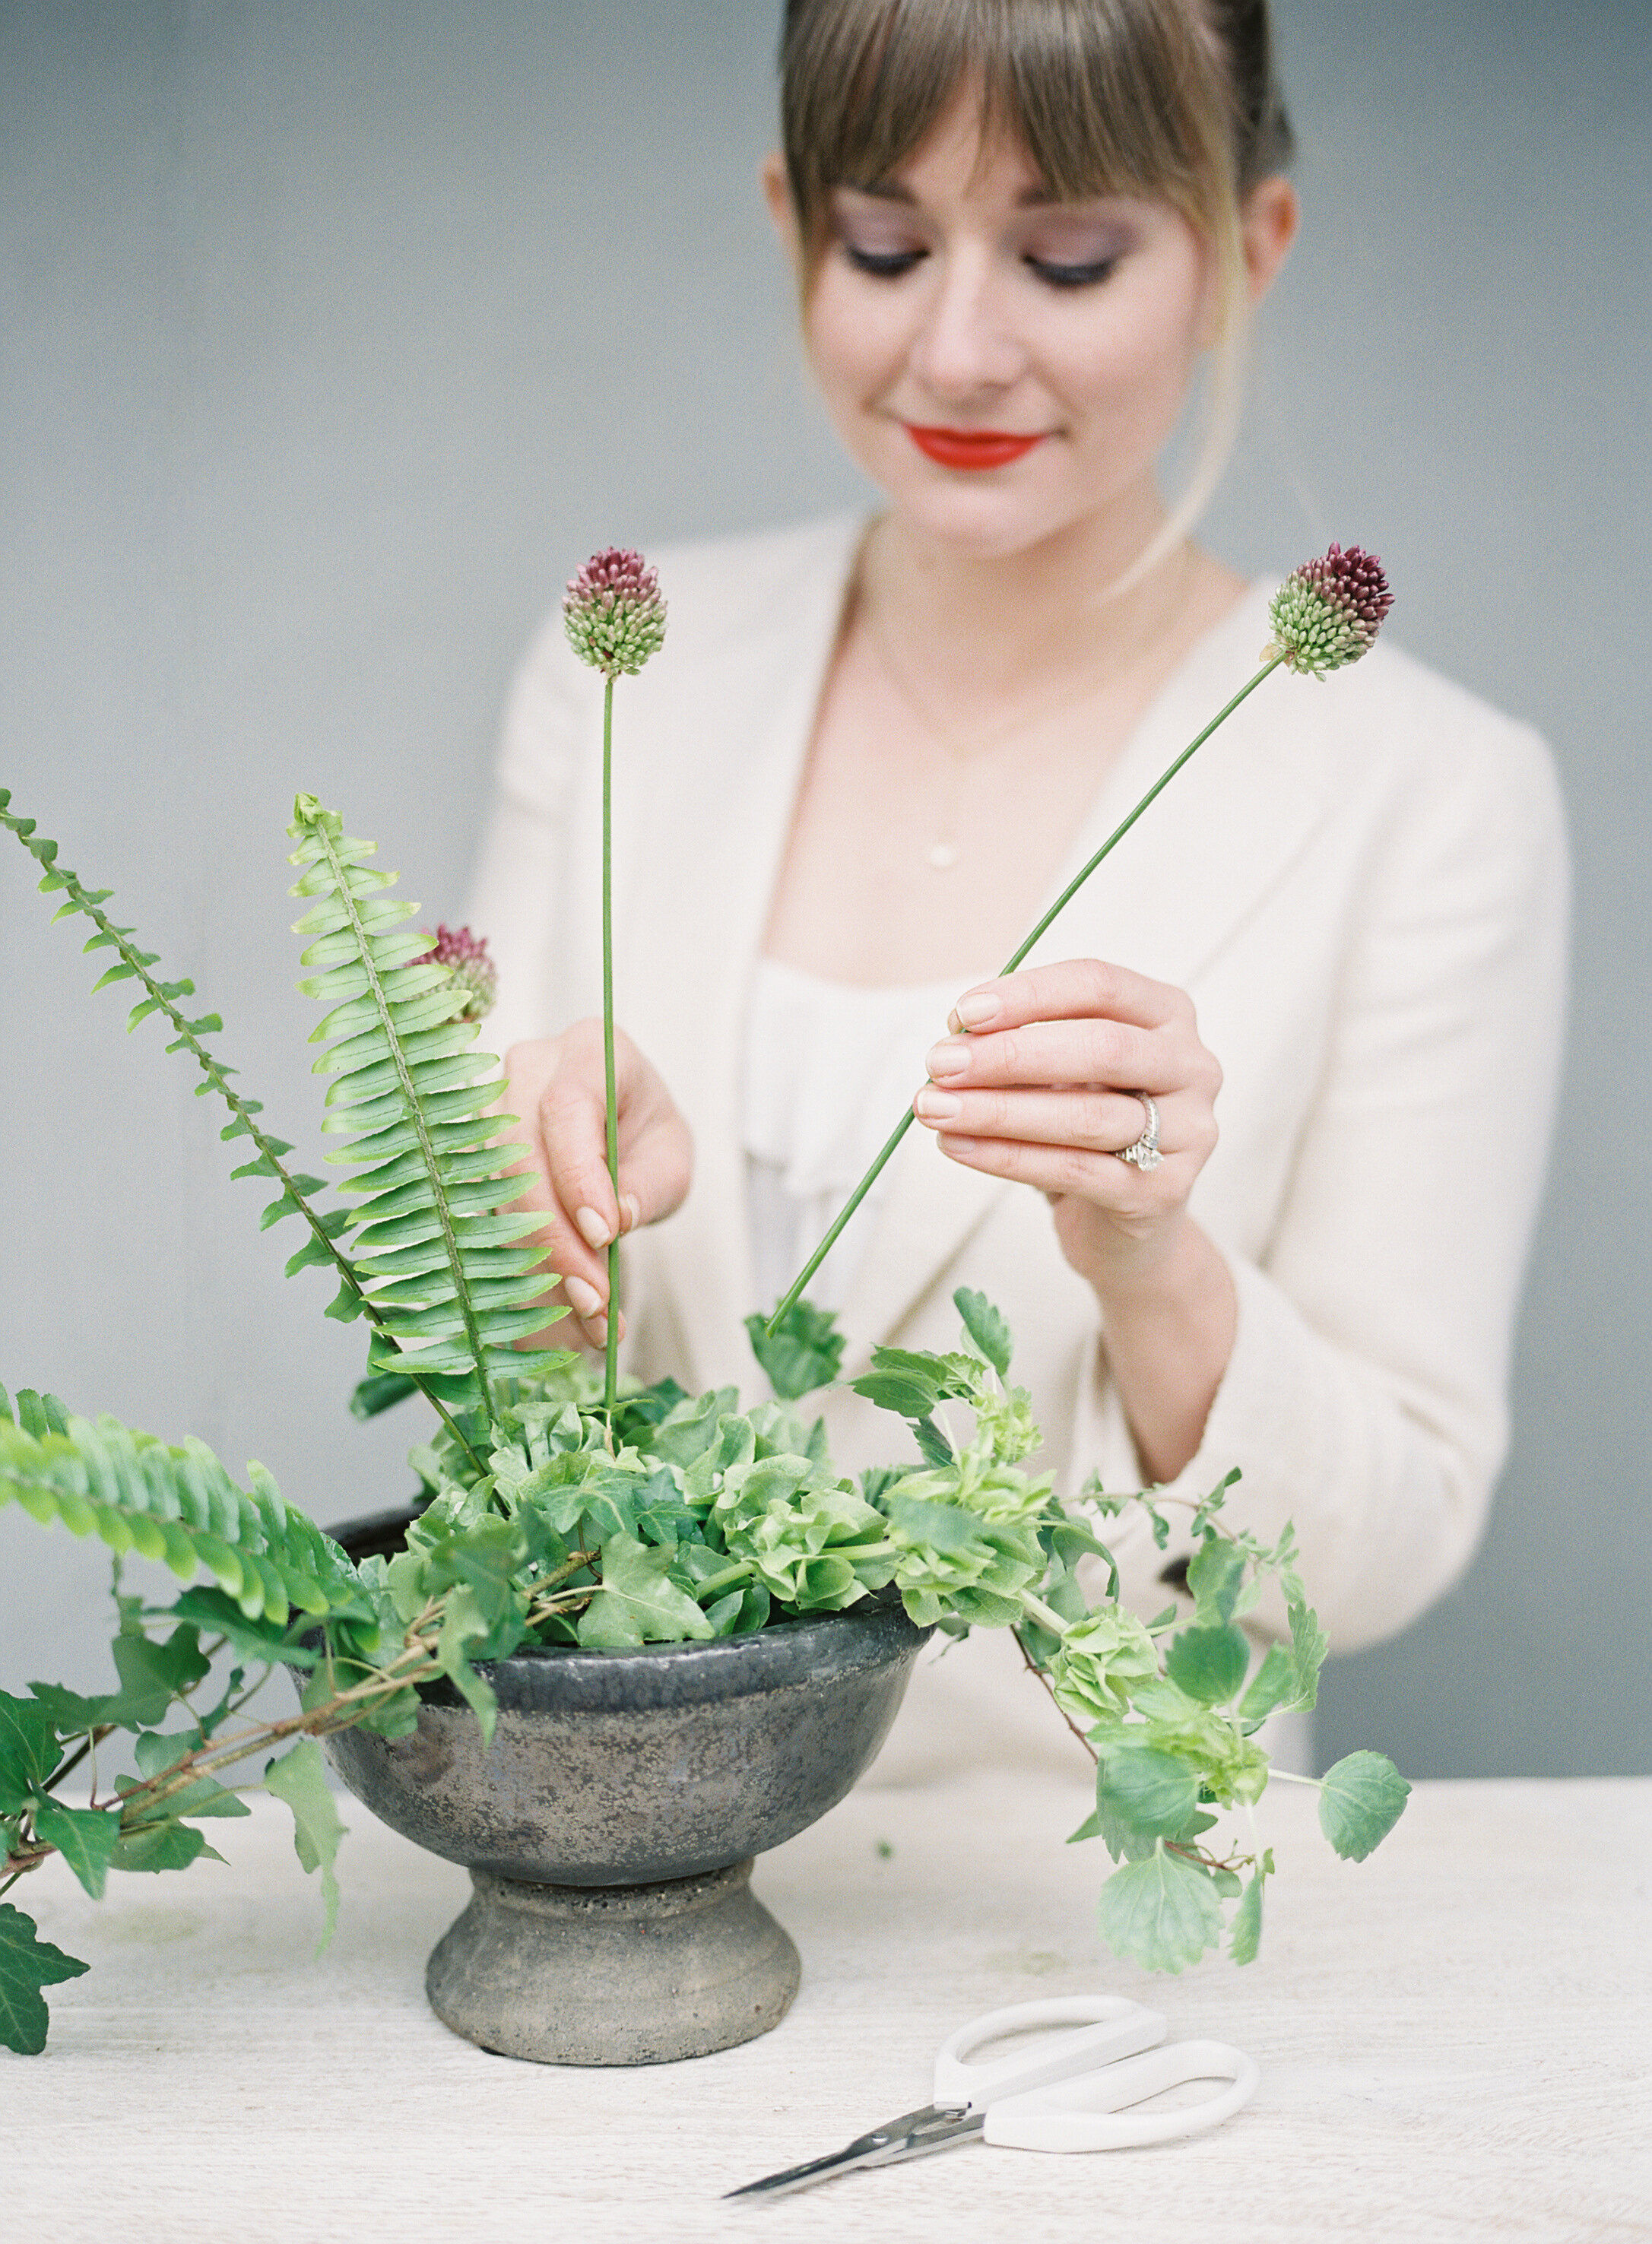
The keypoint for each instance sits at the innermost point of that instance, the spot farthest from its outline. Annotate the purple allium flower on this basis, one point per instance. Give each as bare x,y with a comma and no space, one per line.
612,613
1327,613
466,955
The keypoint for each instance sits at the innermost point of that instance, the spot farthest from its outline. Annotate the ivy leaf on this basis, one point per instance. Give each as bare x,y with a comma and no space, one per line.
1161,1913
1150,1793
27,1964
1244,1933
28,1748
1209,1664
1361,1799
85,1837
987,1327
1215,1573
803,1353
300,1778
637,1604
156,1846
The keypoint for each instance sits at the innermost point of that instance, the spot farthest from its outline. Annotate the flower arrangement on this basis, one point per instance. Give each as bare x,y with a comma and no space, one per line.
568,1511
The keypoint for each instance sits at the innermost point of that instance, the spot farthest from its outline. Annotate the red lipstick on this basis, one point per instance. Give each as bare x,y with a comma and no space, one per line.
970,448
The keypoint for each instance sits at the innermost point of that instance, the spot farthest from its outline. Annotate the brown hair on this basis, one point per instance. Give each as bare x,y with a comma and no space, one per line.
1175,99
1172,100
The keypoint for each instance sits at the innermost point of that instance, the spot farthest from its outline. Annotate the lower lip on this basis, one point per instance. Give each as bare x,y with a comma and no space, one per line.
969,448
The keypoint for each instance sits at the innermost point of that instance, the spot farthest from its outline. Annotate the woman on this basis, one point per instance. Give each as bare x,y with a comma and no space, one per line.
871,752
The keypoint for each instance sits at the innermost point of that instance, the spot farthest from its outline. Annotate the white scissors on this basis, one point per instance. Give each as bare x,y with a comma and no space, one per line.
1067,2091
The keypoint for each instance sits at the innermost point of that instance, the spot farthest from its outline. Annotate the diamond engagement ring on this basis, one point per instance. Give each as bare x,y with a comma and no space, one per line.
1144,1154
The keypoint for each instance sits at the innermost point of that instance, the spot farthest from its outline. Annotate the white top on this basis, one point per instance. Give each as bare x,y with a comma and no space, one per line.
828,1067
1362,884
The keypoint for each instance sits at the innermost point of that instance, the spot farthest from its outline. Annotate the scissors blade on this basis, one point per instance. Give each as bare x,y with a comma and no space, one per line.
914,2135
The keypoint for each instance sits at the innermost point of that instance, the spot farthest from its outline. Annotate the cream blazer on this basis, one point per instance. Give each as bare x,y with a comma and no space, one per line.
1362,883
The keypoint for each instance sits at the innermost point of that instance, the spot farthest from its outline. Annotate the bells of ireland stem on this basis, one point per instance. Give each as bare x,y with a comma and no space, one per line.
1328,612
612,613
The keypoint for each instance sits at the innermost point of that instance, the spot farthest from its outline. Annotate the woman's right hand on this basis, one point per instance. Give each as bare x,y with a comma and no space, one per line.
555,1087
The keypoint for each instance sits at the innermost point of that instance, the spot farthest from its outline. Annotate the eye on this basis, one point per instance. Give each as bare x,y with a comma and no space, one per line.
883,264
1071,276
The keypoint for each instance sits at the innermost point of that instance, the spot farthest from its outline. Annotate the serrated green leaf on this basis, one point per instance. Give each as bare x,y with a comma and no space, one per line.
1209,1664
1273,1682
987,1327
299,1777
803,1353
1149,1792
27,1964
85,1837
1309,1645
1161,1912
1215,1575
1361,1799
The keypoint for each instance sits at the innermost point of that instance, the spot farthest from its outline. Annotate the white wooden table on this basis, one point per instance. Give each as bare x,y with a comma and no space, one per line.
1455,2040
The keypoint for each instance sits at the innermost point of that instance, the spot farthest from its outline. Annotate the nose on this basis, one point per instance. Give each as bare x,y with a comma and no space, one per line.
965,343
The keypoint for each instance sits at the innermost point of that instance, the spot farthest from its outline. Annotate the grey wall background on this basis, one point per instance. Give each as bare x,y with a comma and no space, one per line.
335,334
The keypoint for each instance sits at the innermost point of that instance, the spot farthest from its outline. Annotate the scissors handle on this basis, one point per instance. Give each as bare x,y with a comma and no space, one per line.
1107,2027
1092,2113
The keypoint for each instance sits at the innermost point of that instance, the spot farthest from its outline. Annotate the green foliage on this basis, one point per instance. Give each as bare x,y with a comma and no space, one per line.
1361,1799
1162,1912
448,1276
801,1352
299,1777
27,1964
85,1837
987,1327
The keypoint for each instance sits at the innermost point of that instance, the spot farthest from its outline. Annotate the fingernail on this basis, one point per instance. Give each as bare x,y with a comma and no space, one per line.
950,1059
633,1208
932,1105
590,1227
974,1012
584,1297
598,1328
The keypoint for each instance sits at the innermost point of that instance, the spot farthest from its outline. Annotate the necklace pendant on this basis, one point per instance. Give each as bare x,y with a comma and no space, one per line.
942,856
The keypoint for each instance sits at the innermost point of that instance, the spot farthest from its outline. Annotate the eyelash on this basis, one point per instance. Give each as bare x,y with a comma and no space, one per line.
892,265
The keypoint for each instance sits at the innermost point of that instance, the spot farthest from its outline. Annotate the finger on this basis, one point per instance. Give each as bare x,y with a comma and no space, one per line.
1060,1171
1093,1121
1100,1053
1073,990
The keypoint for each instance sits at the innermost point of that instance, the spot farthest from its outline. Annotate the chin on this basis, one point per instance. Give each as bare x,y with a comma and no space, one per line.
978,524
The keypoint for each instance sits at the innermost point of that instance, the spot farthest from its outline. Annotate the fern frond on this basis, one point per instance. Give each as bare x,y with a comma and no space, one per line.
294,1197
176,1505
449,1278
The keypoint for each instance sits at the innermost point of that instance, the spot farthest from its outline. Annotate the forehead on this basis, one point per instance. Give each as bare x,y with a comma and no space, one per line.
965,154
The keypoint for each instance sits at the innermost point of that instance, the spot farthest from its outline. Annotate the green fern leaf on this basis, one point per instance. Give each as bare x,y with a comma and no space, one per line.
450,1283
177,1505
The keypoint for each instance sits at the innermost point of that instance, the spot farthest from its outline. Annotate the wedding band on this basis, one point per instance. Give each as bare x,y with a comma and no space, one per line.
1144,1154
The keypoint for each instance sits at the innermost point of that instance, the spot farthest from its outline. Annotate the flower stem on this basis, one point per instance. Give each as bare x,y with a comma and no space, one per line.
1009,967
610,1352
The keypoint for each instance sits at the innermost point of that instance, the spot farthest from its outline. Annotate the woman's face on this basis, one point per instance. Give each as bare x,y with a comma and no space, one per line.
955,305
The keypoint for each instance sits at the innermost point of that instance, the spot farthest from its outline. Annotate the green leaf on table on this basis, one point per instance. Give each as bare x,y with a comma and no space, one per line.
637,1603
1309,1645
1146,1793
803,1353
85,1837
1161,1913
987,1327
1361,1799
1215,1575
1244,1931
300,1778
27,1964
28,1748
1209,1664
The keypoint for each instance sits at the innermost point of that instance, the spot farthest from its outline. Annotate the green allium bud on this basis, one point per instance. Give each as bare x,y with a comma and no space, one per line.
466,956
1327,613
612,613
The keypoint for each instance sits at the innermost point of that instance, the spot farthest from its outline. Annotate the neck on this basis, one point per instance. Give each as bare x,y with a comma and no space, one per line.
990,624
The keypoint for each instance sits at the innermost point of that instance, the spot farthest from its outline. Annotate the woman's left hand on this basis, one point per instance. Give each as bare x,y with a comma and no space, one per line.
1038,1082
